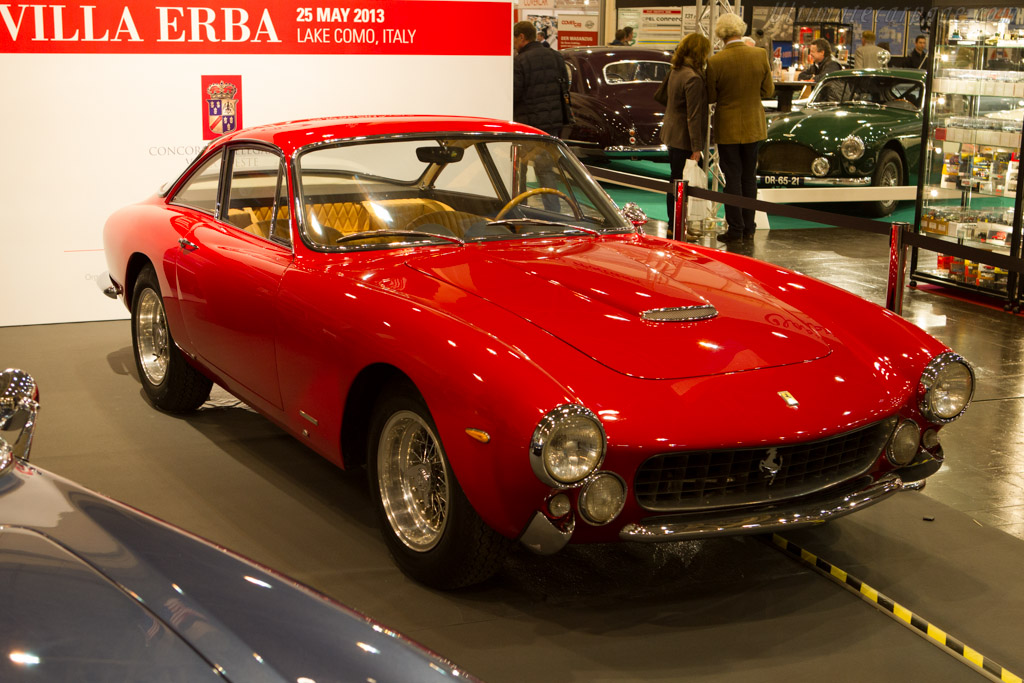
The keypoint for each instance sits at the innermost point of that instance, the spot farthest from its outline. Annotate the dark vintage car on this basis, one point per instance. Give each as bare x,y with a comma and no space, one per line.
457,305
859,128
92,590
612,93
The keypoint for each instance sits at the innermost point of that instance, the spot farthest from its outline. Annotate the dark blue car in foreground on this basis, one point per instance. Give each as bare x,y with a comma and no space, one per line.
92,590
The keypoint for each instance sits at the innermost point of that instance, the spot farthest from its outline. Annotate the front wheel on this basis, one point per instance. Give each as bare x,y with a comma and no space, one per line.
170,383
888,173
432,531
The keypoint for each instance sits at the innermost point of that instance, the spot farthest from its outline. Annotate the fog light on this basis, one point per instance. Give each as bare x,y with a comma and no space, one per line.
559,505
904,443
820,166
601,500
930,438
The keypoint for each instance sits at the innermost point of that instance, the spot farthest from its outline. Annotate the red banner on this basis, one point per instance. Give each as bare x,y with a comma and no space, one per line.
388,27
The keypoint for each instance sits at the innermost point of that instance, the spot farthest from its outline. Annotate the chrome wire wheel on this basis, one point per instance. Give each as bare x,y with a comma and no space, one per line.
890,177
413,480
153,337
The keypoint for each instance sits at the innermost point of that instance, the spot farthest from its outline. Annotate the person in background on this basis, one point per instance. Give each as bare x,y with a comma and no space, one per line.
738,77
822,63
686,114
620,37
918,56
628,38
747,40
538,83
869,55
537,75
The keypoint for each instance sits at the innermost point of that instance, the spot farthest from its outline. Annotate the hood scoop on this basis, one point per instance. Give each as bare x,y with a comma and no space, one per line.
680,314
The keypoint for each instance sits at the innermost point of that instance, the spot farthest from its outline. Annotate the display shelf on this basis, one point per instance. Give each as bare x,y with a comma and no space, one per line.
968,185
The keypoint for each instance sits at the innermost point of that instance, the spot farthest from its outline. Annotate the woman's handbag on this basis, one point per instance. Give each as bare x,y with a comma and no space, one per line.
695,176
661,94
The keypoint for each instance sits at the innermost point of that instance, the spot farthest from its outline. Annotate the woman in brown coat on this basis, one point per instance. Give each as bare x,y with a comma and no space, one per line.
686,115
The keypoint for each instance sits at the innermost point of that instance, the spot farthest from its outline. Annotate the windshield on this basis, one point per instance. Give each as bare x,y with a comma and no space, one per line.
634,71
876,90
447,189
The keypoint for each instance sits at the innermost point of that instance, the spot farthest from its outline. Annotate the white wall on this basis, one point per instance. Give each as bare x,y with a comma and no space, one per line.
84,134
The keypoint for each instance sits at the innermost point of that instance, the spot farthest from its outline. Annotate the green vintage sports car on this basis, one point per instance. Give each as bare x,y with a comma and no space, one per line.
859,128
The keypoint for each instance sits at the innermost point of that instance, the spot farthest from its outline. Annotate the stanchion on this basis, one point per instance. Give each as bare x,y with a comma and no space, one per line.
897,267
678,223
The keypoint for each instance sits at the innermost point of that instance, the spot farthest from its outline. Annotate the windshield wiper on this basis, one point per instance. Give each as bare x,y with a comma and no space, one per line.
397,233
536,221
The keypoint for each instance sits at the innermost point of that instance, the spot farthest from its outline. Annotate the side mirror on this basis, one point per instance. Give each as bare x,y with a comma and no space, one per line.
19,404
634,214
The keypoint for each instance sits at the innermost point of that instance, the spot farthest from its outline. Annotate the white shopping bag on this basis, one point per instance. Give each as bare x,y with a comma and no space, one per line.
695,176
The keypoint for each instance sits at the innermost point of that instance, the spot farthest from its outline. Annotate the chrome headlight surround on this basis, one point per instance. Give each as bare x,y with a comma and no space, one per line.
852,147
946,388
568,445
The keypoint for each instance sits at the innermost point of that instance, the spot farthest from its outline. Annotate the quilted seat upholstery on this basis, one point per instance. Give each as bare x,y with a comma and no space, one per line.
327,222
455,221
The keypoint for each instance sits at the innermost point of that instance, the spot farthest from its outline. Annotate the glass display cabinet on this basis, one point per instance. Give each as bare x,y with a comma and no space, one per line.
970,186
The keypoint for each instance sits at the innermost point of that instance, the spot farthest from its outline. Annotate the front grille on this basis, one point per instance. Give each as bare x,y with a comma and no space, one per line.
699,480
785,157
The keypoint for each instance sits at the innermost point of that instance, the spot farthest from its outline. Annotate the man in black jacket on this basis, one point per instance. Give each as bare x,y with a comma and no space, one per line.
821,55
538,77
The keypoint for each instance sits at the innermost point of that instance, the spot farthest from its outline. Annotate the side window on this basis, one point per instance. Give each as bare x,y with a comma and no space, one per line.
200,190
258,194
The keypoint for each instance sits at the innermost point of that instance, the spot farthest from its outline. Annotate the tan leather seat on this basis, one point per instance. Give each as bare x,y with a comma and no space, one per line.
328,221
456,221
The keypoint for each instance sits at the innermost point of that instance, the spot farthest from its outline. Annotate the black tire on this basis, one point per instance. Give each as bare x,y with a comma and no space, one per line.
169,382
444,545
888,173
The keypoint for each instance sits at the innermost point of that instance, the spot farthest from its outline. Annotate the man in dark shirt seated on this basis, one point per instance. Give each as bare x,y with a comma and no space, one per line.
822,63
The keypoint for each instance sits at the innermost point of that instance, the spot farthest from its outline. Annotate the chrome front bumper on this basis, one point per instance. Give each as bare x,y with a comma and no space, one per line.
764,519
814,181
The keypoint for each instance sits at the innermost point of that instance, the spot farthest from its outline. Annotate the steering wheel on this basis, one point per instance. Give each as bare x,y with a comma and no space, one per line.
535,191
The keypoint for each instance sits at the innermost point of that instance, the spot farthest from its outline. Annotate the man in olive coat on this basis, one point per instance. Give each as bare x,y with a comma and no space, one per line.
738,77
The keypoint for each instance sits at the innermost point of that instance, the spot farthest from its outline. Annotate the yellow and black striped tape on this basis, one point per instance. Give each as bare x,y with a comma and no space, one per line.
925,629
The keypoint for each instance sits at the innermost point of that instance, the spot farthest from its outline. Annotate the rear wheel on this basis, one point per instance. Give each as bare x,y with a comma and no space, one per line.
170,383
434,534
888,173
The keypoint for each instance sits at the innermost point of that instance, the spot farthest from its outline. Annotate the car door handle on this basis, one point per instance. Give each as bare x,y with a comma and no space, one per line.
186,245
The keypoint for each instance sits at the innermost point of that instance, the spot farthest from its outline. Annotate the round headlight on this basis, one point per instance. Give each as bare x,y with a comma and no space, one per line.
852,147
567,446
601,500
904,443
819,166
947,385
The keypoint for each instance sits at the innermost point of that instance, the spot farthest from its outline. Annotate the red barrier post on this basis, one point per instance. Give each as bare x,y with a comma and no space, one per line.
678,223
897,268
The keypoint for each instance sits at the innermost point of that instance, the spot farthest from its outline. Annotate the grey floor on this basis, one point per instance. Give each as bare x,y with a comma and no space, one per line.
727,609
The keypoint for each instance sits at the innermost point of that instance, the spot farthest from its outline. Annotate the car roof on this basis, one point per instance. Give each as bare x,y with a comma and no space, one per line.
615,52
292,135
910,74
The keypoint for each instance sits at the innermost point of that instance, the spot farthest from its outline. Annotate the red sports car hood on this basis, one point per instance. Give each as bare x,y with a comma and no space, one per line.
592,295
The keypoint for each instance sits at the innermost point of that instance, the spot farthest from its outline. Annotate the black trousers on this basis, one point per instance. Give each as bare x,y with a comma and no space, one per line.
676,161
739,166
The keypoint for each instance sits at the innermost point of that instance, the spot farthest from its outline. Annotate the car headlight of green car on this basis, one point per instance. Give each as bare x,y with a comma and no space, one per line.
852,147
